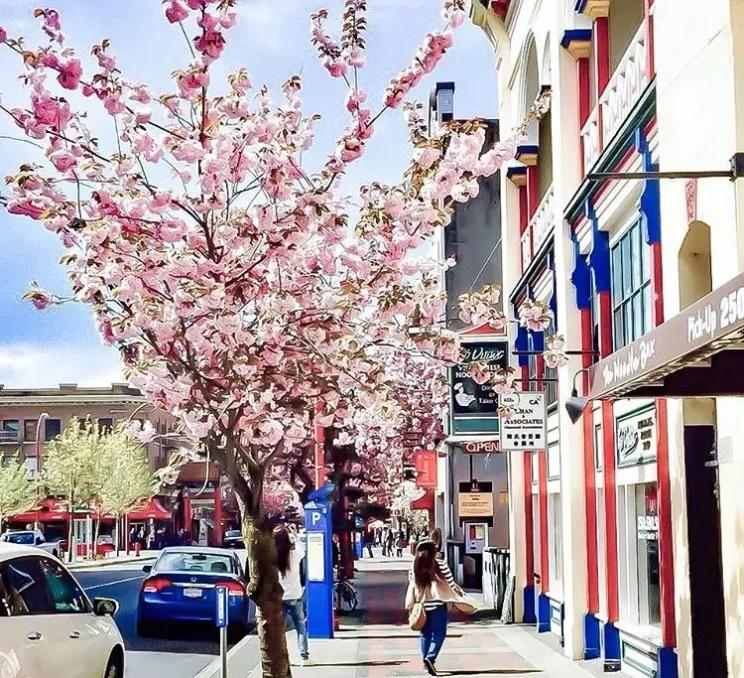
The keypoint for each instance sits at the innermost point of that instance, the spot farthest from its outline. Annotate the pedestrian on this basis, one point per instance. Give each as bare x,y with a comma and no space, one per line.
432,586
389,540
400,544
132,537
290,553
369,541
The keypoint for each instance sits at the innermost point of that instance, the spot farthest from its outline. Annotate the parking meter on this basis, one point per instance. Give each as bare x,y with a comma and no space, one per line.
319,585
221,621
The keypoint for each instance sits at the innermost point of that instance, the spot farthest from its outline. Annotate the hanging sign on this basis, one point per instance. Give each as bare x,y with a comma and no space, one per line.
526,429
474,406
426,468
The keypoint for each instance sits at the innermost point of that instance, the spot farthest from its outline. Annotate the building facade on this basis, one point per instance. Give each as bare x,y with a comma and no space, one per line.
624,531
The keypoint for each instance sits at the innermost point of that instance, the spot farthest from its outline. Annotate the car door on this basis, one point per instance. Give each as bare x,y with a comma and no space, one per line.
24,635
73,628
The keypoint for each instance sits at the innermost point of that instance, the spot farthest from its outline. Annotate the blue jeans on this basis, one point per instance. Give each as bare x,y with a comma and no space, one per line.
295,610
434,632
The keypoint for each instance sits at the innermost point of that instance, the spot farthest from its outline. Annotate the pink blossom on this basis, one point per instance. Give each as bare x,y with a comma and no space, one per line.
70,74
210,43
426,156
40,298
3,34
176,12
336,68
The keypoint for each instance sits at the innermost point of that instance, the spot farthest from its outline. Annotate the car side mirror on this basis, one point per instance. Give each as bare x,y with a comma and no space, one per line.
147,569
103,607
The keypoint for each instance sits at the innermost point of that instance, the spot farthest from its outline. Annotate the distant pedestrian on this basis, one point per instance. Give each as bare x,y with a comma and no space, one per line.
368,543
432,587
389,541
290,554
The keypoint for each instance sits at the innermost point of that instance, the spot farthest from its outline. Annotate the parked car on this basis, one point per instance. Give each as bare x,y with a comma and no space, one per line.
48,625
34,538
233,539
181,587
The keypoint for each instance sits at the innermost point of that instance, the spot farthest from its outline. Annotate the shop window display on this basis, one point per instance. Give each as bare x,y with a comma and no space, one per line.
647,533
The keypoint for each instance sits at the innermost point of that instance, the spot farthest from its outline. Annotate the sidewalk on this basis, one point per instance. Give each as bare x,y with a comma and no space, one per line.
375,642
144,557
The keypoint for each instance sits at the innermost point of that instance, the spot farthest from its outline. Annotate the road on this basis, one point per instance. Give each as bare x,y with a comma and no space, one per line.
180,653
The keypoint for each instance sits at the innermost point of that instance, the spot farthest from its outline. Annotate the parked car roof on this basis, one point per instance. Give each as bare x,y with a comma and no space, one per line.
213,550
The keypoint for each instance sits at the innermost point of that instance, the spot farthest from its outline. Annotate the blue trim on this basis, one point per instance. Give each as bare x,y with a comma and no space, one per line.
591,637
538,340
526,149
611,641
579,6
576,35
667,663
650,198
529,606
581,278
521,343
515,169
543,613
599,256
554,302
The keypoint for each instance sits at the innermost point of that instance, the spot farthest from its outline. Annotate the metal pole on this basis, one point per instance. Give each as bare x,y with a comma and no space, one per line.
42,417
653,176
223,652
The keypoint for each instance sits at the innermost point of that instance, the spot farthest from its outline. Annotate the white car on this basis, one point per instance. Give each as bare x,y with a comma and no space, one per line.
33,538
48,626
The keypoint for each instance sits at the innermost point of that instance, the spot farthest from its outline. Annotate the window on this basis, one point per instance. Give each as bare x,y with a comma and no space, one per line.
29,430
556,543
9,431
52,428
24,587
65,595
647,533
631,287
105,424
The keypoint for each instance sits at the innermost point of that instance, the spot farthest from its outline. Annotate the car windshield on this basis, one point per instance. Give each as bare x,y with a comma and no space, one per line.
19,537
182,561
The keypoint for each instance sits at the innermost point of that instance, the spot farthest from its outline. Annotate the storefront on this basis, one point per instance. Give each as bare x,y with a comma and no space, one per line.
696,357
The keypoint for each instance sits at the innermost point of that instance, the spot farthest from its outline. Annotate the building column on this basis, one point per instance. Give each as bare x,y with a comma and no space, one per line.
218,526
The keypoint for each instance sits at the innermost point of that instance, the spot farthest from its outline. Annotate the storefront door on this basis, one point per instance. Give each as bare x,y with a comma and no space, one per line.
704,535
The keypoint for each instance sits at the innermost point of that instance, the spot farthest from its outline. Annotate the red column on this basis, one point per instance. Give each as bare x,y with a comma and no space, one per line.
590,481
666,543
529,521
542,488
187,512
610,503
583,91
601,38
532,192
319,453
649,21
524,218
218,526
605,324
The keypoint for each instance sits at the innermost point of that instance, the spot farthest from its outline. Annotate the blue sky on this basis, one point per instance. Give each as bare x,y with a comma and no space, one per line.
271,40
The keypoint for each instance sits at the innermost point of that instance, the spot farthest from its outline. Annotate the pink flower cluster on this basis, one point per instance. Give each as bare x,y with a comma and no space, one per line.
534,315
482,307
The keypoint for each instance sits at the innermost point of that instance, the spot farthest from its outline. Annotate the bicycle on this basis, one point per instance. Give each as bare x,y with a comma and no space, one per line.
345,593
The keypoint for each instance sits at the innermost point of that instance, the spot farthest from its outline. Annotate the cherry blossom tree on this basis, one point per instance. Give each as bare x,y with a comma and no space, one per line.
246,294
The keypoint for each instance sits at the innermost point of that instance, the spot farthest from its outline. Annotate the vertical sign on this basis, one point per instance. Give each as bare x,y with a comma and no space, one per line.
526,428
221,615
426,469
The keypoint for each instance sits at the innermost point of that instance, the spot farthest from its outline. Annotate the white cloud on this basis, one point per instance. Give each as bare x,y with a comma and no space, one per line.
27,365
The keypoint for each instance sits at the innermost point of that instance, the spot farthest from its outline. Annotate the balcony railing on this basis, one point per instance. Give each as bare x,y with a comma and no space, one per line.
539,229
623,91
9,437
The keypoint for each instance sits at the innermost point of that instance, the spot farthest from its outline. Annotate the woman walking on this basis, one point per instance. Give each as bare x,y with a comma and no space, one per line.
432,586
290,553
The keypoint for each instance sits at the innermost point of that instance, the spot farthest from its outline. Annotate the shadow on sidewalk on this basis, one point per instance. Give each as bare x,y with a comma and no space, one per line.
371,662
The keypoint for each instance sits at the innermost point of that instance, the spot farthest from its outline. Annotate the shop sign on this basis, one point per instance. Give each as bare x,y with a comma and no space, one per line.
480,447
635,438
475,504
706,322
426,469
474,406
648,528
526,429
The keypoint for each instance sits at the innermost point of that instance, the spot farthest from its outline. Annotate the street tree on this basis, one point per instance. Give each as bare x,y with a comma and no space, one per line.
73,468
127,478
17,492
247,294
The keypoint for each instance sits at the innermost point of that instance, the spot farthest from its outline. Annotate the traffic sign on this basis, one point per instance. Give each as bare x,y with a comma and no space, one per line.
221,616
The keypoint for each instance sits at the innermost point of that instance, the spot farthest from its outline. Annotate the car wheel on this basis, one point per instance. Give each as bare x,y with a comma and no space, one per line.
114,668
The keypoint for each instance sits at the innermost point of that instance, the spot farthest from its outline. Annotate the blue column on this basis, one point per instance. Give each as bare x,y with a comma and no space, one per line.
543,613
591,636
529,605
319,568
611,647
667,663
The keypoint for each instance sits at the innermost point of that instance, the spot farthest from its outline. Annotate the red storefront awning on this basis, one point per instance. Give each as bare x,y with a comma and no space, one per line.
49,511
153,509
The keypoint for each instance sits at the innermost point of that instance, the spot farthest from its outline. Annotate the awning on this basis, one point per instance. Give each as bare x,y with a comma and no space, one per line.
49,511
152,510
697,353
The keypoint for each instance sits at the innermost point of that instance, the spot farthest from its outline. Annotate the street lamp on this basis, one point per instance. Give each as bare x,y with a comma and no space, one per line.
42,418
576,404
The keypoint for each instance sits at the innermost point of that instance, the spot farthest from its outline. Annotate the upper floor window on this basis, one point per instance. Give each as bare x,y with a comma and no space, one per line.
52,428
9,431
29,430
105,424
631,287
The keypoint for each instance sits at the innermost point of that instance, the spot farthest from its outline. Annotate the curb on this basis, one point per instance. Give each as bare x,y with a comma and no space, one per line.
108,562
236,661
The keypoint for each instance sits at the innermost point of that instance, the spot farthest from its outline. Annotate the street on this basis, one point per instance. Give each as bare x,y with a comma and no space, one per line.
177,653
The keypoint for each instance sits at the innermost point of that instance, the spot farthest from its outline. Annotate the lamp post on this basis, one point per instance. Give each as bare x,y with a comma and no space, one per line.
42,418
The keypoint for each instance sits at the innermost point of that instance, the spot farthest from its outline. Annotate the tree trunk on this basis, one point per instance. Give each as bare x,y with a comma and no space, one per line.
96,532
266,592
118,534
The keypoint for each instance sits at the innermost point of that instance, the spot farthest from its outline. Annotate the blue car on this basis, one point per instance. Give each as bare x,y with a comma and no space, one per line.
181,588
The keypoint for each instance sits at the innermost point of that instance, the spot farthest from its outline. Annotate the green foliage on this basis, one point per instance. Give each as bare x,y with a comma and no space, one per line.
17,492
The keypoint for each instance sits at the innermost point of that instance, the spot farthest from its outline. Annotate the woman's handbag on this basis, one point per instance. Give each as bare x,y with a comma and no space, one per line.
417,617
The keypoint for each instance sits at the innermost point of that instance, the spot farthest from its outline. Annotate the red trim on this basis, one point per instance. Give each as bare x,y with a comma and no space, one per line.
319,451
583,91
219,522
601,44
657,284
610,503
532,193
525,378
542,488
529,521
590,481
649,20
524,218
605,324
539,373
666,545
